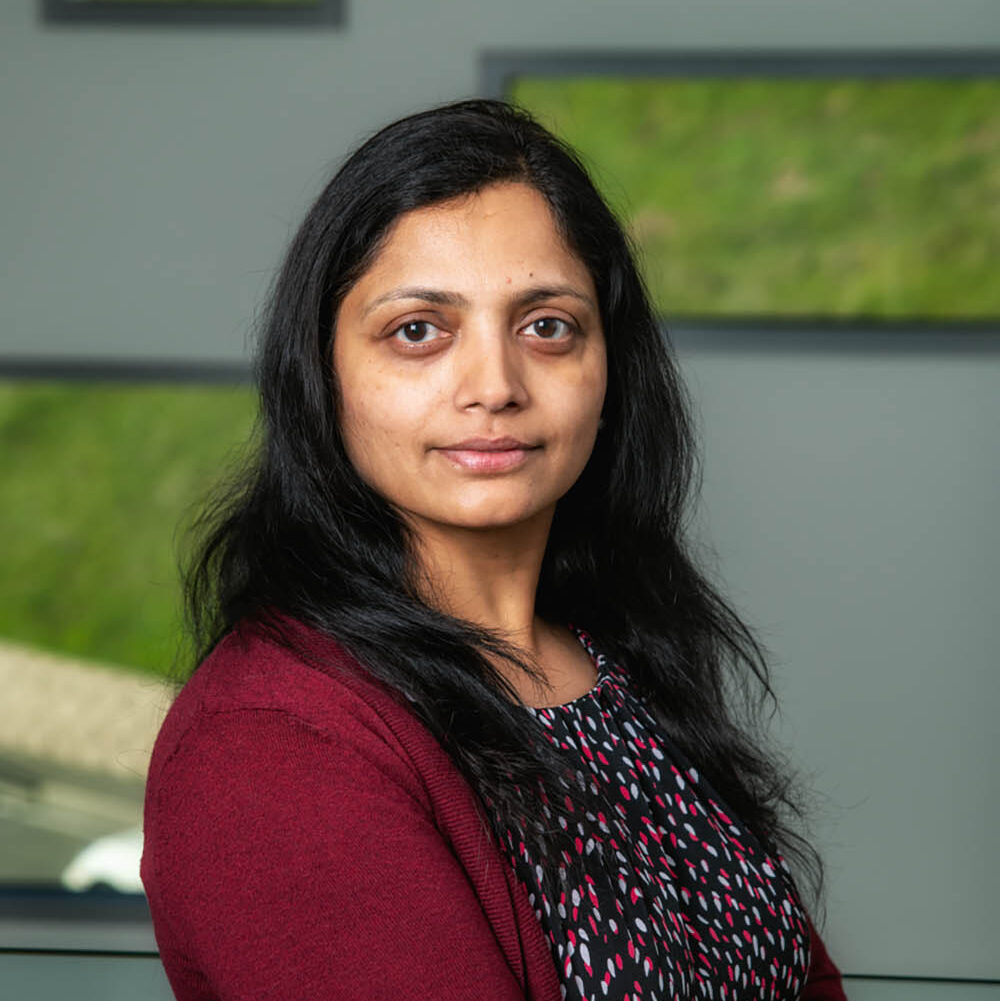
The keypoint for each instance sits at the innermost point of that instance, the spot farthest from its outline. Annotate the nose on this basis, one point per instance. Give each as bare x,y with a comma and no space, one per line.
490,371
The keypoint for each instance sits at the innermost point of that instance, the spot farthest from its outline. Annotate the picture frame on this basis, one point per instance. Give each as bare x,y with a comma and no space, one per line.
544,82
291,13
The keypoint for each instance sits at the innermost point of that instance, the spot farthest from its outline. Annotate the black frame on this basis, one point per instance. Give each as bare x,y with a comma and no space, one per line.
69,369
328,13
499,68
52,920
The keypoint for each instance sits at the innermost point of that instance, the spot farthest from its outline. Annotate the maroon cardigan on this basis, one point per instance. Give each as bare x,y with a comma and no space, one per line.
307,837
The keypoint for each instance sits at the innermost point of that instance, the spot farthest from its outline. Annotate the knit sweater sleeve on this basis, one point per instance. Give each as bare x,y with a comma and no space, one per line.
284,861
824,981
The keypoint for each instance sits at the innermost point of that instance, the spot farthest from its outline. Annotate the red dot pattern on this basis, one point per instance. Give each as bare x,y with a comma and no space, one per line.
697,909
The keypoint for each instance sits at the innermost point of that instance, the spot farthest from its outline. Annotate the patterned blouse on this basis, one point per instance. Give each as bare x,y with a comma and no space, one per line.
696,908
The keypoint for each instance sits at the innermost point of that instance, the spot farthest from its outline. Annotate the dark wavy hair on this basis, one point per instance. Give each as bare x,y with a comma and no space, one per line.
300,533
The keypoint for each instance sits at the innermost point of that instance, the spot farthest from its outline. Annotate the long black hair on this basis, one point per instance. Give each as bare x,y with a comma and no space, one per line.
302,534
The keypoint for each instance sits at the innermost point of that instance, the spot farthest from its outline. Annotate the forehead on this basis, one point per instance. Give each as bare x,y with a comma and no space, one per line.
503,234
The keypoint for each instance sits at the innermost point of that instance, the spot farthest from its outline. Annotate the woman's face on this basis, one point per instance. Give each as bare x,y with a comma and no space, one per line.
471,363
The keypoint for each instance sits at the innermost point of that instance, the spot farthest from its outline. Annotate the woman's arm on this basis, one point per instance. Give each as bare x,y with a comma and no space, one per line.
284,862
823,982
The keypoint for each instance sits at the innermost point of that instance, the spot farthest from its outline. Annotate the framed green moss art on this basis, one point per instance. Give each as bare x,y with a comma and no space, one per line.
782,188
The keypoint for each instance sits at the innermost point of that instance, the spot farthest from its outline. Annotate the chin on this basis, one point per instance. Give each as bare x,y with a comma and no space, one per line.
489,516
491,521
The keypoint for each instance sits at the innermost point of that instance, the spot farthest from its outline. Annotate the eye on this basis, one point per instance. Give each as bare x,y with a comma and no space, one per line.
550,328
416,332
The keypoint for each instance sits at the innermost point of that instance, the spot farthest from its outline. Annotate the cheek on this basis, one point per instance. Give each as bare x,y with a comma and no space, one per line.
577,413
589,404
588,397
358,412
380,420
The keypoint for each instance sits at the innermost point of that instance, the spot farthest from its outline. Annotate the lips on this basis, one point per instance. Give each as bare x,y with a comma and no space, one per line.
488,455
488,445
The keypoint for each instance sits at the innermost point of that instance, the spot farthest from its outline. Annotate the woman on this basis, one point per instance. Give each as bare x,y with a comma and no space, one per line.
463,723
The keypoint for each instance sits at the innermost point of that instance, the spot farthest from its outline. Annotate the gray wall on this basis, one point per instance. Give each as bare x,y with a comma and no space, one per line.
852,497
151,178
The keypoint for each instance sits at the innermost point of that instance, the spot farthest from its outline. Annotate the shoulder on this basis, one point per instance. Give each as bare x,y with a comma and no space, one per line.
255,706
316,682
252,668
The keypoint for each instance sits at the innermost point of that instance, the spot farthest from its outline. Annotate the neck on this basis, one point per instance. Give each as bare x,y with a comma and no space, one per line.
487,576
490,578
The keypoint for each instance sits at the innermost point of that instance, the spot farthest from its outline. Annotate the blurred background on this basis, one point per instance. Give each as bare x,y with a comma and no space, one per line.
815,193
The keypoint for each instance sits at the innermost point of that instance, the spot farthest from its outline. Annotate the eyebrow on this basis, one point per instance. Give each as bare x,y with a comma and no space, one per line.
527,297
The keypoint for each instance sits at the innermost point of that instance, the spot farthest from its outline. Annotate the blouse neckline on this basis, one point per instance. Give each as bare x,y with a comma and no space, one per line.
603,676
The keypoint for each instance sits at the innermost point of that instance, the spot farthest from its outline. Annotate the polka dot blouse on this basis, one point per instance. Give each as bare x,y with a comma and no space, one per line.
697,909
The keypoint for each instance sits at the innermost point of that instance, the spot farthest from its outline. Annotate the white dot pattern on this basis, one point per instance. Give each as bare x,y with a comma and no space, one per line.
696,908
